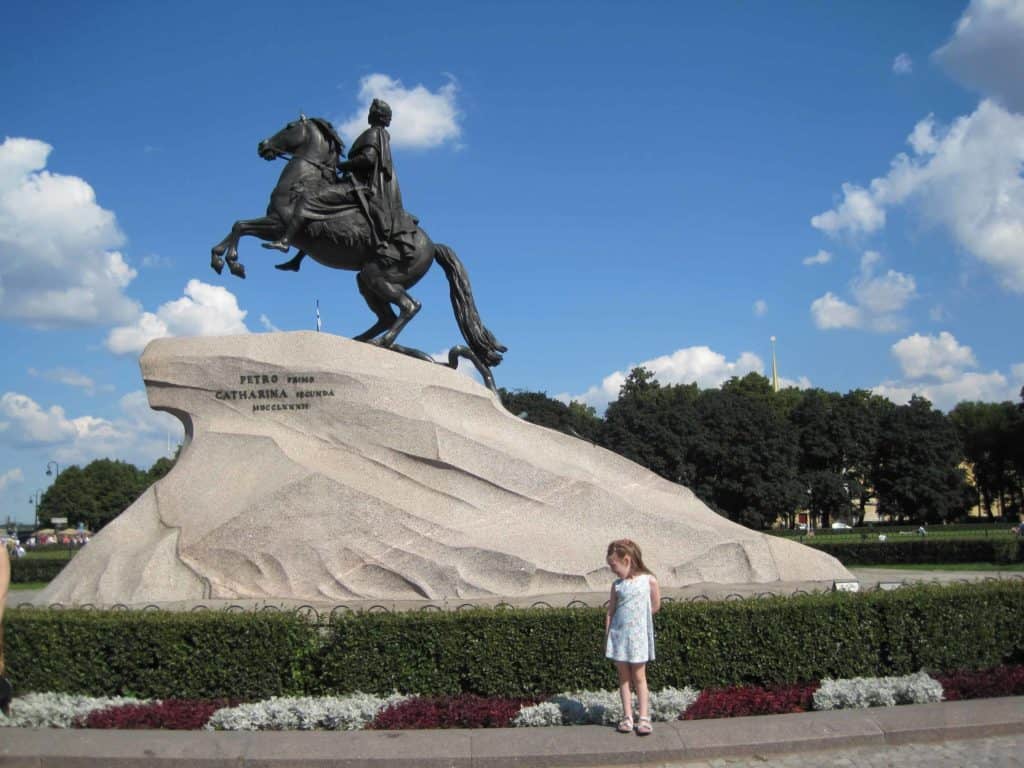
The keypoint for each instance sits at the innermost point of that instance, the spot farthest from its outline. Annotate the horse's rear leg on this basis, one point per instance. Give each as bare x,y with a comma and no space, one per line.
386,316
378,285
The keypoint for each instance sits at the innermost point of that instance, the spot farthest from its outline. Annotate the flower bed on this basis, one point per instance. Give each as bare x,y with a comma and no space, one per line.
359,711
463,711
751,700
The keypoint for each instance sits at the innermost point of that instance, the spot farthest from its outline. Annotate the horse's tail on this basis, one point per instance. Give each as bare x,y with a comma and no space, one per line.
479,339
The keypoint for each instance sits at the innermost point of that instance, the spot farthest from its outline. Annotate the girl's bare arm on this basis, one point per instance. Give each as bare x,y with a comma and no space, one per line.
610,612
655,595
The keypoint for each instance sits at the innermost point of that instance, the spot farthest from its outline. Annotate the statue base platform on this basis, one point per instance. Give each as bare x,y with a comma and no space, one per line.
324,470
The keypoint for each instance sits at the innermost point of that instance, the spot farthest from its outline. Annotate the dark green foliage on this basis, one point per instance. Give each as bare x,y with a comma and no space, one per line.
93,495
746,455
992,435
575,419
157,654
521,652
923,550
25,569
917,475
654,426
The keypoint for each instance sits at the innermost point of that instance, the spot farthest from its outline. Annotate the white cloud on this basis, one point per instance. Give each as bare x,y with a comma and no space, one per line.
935,367
760,308
941,357
829,311
821,257
857,213
421,118
10,476
965,178
67,376
58,263
269,326
698,364
884,294
990,387
138,434
903,64
986,52
204,310
878,300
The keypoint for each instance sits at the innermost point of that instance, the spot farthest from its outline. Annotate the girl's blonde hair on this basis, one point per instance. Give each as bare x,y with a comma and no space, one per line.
622,548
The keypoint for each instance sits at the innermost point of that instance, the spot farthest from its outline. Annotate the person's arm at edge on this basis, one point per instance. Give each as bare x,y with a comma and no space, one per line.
655,595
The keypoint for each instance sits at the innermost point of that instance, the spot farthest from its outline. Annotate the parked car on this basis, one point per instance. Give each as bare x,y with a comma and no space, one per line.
837,526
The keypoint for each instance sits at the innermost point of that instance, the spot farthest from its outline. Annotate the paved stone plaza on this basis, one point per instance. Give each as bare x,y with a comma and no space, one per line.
998,752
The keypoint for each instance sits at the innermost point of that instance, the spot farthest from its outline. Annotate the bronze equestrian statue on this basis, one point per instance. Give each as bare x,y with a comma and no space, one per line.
358,222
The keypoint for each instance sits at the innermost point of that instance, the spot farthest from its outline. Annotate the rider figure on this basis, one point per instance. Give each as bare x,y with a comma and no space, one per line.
371,184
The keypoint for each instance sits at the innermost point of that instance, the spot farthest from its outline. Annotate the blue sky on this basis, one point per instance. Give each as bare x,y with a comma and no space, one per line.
661,183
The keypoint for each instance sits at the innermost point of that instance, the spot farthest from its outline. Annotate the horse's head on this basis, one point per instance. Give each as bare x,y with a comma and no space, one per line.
305,136
289,140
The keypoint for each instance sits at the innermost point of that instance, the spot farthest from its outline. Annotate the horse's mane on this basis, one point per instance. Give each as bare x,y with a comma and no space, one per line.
328,132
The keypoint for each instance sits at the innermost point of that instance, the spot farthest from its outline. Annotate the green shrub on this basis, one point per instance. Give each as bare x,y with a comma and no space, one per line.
201,655
923,550
515,652
25,569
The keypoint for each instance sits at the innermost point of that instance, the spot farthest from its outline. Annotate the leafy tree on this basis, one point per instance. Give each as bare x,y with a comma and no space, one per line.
989,433
918,476
862,414
162,466
93,495
746,455
575,419
654,425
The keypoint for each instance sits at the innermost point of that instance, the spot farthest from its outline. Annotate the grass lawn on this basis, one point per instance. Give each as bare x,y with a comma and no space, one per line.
62,553
28,585
950,566
848,538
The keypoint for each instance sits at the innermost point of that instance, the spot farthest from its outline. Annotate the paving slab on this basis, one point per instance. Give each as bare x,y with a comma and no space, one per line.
767,734
359,749
87,748
950,720
577,745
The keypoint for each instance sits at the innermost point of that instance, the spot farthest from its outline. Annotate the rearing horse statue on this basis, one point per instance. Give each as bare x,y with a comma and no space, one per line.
345,240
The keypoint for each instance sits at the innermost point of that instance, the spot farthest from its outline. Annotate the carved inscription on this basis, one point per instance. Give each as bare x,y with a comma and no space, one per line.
276,392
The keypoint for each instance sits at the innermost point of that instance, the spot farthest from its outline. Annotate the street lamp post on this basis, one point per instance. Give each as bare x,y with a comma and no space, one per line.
50,467
34,499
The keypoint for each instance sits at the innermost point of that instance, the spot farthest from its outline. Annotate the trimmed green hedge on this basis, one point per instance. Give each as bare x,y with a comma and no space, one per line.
924,550
159,654
25,569
515,651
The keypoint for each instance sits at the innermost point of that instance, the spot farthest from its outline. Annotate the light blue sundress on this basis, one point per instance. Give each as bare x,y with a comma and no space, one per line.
631,632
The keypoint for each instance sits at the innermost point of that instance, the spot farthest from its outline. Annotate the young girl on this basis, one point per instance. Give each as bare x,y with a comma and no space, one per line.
629,629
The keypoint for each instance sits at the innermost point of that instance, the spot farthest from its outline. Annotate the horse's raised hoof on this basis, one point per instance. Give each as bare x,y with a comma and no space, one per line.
237,269
217,264
289,266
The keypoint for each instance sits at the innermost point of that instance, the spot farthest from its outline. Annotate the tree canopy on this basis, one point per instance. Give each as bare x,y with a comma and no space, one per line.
98,492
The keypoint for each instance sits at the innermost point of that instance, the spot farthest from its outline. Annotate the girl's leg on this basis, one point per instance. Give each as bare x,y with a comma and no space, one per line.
640,684
627,696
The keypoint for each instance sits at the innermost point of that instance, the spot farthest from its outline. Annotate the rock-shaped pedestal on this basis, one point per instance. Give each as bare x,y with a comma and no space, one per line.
317,468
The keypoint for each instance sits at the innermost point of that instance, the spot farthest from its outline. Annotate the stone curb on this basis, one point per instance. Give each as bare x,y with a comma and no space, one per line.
502,748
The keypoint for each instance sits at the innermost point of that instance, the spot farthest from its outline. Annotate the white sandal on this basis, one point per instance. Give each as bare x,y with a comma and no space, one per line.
625,725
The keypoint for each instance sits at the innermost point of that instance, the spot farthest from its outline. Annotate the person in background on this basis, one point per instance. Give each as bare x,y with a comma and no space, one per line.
5,580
